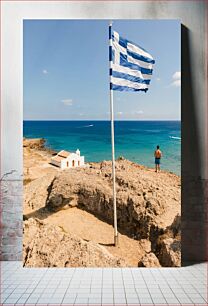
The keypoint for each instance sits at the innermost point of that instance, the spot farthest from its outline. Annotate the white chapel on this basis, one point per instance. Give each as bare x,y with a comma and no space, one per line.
65,159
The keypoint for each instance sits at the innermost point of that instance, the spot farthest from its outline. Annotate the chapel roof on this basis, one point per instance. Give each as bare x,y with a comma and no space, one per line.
63,153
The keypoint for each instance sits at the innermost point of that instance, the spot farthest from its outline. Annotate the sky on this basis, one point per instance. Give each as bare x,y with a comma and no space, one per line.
66,70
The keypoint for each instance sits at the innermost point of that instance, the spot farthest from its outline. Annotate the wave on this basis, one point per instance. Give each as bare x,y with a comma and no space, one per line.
145,131
153,131
88,125
175,137
84,126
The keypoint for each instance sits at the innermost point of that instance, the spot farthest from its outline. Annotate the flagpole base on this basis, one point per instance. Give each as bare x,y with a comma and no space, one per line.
116,241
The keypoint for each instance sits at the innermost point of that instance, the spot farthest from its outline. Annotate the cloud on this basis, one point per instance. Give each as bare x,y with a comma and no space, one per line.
67,102
139,112
176,75
176,79
176,83
44,71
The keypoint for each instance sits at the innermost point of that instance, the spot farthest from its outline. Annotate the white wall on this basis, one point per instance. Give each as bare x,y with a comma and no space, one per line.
191,14
54,162
81,160
72,157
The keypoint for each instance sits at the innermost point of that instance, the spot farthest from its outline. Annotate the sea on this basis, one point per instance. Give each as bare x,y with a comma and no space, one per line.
134,140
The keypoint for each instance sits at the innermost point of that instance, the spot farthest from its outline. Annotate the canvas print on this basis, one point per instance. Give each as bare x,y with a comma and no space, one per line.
102,143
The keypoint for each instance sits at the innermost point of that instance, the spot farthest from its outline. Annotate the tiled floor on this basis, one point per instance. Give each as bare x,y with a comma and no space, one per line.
87,286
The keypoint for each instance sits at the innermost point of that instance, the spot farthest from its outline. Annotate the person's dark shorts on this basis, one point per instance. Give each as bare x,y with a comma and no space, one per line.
157,161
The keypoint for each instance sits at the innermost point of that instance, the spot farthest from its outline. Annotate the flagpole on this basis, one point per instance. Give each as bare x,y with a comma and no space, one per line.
112,142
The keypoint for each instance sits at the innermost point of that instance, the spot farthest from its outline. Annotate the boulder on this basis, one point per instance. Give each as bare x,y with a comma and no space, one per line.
170,253
36,193
168,245
149,261
46,245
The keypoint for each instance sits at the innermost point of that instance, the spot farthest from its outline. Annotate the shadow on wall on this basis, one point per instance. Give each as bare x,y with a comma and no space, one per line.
194,248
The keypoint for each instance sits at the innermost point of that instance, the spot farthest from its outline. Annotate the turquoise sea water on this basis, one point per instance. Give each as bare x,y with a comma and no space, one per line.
135,140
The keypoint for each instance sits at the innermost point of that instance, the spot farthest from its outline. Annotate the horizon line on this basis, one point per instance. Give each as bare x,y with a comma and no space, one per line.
102,120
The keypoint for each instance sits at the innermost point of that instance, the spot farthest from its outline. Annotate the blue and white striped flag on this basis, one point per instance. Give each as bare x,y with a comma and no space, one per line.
130,65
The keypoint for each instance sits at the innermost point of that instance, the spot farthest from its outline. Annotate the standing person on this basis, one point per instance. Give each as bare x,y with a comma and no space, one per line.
158,155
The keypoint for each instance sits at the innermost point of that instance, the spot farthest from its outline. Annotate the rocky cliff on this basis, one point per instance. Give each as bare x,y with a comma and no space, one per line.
148,208
35,143
147,203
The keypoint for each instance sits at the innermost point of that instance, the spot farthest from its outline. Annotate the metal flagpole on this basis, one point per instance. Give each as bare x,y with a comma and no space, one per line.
112,142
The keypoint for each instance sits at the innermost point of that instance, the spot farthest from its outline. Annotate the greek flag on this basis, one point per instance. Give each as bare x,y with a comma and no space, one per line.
130,65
